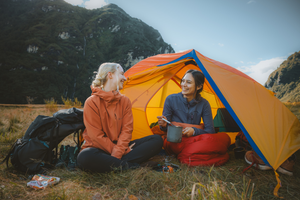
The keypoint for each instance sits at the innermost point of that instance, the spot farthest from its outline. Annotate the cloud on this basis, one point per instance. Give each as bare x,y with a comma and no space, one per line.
181,51
251,1
74,2
261,71
93,4
220,44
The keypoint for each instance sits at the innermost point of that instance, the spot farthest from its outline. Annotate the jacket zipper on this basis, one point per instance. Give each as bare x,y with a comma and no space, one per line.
117,124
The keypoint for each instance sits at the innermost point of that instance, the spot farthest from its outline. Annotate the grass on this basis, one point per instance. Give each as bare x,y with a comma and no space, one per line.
224,182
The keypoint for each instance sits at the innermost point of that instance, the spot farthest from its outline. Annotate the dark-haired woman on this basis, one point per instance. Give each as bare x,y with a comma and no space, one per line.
188,109
188,106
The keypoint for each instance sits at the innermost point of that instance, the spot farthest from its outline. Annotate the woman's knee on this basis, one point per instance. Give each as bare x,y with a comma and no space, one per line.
158,139
83,159
89,157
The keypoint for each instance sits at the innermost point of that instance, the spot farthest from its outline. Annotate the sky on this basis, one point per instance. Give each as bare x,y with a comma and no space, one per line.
253,36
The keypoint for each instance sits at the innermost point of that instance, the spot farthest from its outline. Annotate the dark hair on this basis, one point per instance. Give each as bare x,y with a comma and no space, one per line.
199,79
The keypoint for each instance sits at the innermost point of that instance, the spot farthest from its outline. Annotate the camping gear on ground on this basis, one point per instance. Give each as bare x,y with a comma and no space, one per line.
254,160
239,152
40,181
33,153
167,167
171,168
174,134
241,141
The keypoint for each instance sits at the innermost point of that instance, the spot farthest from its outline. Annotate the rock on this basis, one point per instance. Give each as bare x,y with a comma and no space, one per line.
285,80
64,35
32,49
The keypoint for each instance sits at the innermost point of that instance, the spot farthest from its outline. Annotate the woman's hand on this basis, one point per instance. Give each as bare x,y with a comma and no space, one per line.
161,122
188,131
130,147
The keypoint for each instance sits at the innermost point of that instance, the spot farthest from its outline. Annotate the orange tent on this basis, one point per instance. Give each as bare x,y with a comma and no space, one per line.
272,130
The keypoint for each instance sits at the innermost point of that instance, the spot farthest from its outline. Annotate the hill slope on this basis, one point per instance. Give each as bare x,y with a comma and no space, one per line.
50,48
285,81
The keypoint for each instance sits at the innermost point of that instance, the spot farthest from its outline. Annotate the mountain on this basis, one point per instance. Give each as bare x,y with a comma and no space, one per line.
50,48
285,80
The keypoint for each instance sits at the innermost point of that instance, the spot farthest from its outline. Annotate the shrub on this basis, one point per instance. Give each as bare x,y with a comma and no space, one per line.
69,103
51,105
77,103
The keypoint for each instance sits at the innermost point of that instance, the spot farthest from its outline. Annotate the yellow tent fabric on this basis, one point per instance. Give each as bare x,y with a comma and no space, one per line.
272,130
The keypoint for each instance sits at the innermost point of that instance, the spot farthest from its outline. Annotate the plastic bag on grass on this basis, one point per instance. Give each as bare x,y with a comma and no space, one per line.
41,181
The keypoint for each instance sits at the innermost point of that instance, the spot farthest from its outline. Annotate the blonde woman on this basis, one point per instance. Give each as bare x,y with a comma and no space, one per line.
109,123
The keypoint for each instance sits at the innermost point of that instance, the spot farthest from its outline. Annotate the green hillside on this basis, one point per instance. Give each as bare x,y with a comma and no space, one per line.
50,48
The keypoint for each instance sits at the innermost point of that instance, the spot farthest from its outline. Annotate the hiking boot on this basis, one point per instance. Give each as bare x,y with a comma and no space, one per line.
287,167
63,156
72,161
253,159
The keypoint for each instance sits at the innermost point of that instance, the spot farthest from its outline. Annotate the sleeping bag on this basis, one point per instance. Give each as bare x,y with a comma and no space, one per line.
202,150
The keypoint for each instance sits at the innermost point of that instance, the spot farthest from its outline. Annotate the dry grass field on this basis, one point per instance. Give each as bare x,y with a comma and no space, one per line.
224,182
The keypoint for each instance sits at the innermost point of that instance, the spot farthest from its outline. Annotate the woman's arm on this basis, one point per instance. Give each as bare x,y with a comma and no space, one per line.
92,122
167,112
126,133
207,120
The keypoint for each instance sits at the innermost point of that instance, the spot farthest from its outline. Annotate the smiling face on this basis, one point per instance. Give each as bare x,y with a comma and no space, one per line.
188,86
119,78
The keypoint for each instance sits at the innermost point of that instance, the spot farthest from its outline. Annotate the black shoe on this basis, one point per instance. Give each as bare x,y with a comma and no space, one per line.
63,156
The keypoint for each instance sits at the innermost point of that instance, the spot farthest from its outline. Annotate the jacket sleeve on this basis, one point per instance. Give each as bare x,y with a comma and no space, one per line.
126,131
207,120
167,112
92,122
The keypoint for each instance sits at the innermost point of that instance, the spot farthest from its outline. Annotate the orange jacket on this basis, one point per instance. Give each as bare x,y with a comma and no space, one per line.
109,122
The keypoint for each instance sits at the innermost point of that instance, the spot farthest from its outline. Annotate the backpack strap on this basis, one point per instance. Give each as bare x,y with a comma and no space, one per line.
53,142
78,132
9,153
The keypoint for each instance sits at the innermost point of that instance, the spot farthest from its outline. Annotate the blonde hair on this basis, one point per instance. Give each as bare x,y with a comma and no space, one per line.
103,70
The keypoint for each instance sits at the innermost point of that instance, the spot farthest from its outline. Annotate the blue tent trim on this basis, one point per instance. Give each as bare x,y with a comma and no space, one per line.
193,55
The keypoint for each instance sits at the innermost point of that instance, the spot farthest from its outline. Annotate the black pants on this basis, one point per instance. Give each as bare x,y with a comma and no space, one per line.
97,160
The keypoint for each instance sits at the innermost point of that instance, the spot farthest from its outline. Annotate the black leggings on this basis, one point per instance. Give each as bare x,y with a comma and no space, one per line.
97,160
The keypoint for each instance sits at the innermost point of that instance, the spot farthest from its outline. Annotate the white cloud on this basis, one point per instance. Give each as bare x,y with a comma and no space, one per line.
261,71
74,2
93,4
251,1
220,44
